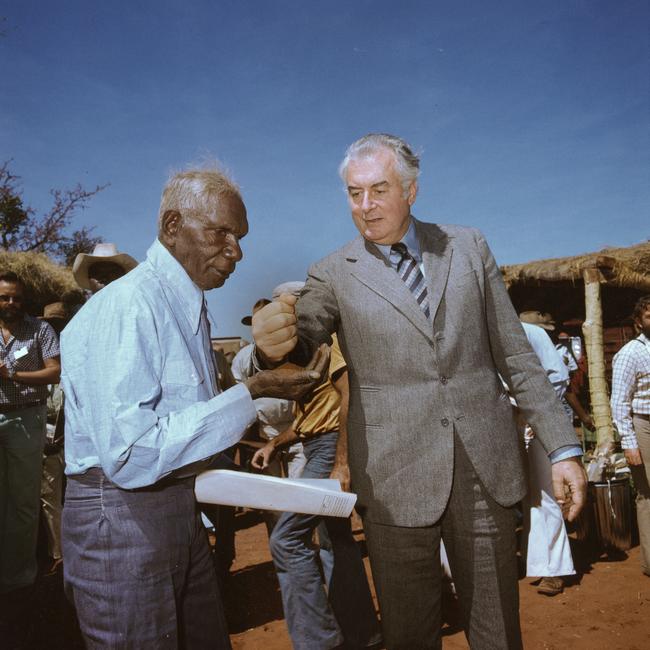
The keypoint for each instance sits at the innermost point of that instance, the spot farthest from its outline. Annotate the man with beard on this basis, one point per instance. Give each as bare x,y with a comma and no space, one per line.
631,412
29,361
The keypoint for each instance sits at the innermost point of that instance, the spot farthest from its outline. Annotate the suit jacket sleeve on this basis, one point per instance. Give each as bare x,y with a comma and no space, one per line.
518,364
317,312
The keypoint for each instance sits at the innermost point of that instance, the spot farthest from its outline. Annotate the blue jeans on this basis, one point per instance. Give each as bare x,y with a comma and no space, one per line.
320,619
22,437
138,568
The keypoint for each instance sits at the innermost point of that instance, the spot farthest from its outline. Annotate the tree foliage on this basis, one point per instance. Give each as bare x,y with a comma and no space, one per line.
22,230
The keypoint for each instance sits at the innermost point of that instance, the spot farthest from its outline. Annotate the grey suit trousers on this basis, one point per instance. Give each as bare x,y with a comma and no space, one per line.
479,536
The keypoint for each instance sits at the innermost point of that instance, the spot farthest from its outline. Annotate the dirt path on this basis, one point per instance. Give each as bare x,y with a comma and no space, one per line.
606,608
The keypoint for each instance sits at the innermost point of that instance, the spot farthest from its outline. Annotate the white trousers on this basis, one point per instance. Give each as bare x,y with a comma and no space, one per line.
546,542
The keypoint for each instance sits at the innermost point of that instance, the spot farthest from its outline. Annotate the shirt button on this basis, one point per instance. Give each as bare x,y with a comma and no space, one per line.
444,422
443,380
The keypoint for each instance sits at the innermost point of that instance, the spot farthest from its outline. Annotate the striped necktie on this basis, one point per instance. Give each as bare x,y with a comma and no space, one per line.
409,270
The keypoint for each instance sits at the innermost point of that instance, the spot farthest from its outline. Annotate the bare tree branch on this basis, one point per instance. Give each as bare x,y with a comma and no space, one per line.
21,230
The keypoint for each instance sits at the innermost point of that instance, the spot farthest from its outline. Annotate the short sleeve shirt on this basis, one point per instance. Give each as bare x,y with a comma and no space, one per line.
33,341
320,414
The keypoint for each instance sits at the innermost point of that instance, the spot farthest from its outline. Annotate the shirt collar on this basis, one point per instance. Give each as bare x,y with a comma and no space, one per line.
22,330
176,278
643,338
410,240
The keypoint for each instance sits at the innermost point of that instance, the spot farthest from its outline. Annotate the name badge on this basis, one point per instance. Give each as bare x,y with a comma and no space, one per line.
19,354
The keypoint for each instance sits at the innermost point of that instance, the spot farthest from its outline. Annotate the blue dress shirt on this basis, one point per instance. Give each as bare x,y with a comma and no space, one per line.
141,398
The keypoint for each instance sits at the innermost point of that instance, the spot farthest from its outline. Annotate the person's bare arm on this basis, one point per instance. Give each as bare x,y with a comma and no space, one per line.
264,456
50,374
341,470
574,403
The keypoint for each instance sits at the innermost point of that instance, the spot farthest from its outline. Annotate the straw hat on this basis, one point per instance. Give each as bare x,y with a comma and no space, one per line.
103,252
544,320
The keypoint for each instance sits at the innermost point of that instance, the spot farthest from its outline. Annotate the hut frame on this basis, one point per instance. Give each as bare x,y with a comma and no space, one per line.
611,280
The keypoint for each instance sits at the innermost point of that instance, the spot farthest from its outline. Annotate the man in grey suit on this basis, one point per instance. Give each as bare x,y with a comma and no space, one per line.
427,329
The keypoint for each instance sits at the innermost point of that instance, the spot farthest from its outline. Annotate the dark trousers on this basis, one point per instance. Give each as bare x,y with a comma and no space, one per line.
22,436
479,537
137,566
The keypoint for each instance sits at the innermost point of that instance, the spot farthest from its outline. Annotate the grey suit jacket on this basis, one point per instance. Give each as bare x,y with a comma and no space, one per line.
413,382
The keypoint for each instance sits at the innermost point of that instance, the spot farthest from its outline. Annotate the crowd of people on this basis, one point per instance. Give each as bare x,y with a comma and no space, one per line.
400,368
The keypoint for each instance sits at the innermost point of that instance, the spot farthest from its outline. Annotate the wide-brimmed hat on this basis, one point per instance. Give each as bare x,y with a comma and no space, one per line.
248,320
54,311
103,252
544,320
294,287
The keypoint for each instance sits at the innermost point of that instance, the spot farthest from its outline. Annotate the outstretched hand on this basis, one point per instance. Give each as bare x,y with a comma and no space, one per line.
290,381
569,486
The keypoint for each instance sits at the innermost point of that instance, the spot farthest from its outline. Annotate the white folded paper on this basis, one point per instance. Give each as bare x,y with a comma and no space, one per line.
312,496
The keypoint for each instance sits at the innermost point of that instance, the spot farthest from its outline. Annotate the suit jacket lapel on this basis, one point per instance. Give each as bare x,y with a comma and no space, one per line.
371,269
436,257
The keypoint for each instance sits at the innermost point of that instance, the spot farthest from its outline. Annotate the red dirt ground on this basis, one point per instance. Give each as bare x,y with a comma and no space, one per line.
607,607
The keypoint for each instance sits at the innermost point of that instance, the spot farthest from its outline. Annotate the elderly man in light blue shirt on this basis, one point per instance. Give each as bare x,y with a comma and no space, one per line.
143,414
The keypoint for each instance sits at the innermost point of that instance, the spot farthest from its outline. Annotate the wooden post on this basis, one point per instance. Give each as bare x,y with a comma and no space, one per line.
592,329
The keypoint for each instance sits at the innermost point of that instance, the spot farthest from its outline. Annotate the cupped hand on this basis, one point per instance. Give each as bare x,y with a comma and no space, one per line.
290,381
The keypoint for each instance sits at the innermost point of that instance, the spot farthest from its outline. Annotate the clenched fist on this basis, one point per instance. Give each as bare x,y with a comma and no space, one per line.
274,328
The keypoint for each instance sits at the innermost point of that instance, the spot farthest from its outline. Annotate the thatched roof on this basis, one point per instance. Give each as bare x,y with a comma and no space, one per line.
620,267
46,281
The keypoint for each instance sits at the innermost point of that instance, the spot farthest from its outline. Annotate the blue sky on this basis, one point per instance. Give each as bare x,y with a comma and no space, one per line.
533,118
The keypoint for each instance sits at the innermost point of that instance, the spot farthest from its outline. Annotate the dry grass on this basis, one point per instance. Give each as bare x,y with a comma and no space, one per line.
623,267
45,280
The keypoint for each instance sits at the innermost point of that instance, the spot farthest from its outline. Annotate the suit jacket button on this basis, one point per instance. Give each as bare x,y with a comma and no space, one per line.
443,380
444,422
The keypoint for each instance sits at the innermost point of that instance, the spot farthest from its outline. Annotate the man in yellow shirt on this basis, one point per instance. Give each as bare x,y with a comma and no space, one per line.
320,619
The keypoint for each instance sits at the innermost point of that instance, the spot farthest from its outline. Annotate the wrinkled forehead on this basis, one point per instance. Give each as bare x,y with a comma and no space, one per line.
228,212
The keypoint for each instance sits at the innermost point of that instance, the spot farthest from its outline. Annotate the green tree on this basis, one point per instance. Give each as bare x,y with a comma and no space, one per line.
22,230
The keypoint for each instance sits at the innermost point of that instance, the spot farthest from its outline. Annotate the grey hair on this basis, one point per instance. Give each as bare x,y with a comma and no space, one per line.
196,190
407,164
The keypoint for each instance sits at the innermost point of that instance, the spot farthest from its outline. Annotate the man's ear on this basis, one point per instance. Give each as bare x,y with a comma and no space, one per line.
412,193
170,225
